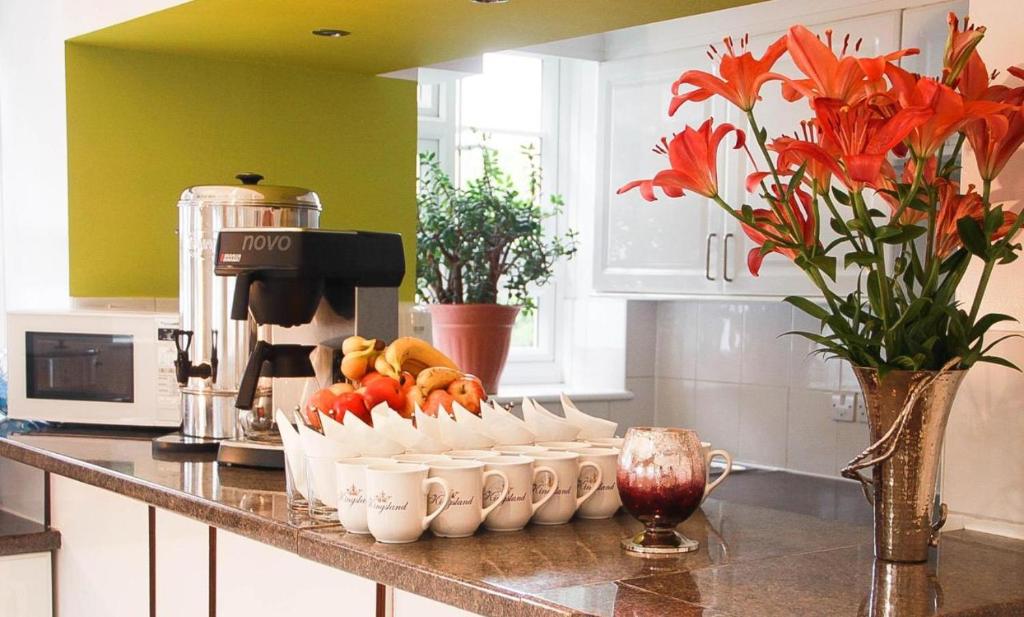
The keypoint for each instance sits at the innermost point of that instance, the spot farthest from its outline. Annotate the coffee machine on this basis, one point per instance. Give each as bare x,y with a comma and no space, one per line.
306,290
211,347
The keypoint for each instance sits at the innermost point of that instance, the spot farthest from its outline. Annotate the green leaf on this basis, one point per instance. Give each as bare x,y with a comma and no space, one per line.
826,264
986,322
999,361
840,196
861,258
809,307
972,236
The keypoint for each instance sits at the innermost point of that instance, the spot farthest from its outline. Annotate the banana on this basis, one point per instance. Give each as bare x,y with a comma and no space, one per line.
355,343
413,355
436,377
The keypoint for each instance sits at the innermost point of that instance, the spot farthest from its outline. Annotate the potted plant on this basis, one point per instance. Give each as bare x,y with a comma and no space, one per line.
481,250
909,340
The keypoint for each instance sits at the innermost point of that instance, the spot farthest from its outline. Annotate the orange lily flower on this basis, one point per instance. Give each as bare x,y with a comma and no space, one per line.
693,160
960,46
842,77
952,207
741,76
798,212
995,138
950,110
858,138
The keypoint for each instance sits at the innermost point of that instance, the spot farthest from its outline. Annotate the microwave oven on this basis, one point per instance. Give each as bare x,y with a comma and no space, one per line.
93,367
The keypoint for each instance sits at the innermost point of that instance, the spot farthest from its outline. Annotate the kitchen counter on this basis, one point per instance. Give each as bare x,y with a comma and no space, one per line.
772,543
19,536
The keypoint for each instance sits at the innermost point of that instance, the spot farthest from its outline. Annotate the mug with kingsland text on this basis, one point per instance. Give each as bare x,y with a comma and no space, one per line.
396,501
567,499
465,509
519,503
351,478
605,501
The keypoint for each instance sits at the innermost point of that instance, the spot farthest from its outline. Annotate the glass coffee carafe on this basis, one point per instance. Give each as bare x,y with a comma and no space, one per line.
661,479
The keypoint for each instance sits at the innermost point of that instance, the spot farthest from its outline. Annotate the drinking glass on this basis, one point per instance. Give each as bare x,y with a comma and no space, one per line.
661,478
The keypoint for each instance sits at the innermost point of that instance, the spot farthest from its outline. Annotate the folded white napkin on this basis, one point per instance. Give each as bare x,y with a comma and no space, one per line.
368,441
294,458
428,425
394,426
317,445
459,435
334,430
590,427
503,427
546,425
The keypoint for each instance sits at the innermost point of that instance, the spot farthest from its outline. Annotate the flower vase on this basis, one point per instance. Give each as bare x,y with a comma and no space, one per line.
907,413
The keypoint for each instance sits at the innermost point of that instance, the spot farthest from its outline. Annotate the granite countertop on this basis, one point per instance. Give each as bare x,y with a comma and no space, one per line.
19,536
772,543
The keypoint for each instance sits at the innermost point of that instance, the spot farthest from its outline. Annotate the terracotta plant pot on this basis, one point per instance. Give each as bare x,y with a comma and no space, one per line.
476,337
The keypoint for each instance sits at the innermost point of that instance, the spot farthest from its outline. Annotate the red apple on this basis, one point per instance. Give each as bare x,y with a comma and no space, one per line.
371,377
386,390
436,401
468,393
350,402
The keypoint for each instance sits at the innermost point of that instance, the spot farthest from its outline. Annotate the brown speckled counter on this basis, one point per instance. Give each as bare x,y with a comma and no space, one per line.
19,536
771,544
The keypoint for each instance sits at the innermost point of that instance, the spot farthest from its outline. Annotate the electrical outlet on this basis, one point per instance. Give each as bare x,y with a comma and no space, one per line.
843,406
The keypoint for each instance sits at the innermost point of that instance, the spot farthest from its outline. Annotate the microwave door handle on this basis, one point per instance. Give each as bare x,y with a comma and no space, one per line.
213,356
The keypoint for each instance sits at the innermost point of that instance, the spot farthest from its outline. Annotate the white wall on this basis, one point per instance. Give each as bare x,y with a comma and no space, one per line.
984,463
33,140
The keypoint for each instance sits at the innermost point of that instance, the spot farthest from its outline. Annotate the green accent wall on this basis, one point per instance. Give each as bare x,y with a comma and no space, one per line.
144,126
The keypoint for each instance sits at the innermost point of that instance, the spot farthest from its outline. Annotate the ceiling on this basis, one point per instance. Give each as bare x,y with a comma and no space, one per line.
386,35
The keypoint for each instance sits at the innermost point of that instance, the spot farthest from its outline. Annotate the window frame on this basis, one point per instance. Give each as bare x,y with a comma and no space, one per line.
543,363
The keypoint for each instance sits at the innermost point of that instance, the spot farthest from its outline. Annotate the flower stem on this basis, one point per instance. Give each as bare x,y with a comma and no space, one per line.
990,263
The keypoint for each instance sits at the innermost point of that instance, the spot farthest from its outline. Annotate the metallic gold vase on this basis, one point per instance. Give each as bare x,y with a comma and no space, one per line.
907,413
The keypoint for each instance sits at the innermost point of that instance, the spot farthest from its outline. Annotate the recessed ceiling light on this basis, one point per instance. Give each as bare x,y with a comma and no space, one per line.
333,33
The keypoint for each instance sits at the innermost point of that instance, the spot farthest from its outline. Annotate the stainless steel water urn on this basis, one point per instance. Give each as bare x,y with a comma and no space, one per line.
212,348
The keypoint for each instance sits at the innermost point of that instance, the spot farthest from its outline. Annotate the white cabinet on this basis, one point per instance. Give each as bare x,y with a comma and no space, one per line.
25,585
257,580
102,567
689,246
656,247
181,565
411,605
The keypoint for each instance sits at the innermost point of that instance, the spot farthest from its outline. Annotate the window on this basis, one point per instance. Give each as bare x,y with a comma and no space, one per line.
512,103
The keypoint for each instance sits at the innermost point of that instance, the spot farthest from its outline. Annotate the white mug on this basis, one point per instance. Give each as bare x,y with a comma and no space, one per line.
396,503
468,455
605,501
351,478
519,503
566,500
422,459
466,510
607,442
564,446
709,455
521,449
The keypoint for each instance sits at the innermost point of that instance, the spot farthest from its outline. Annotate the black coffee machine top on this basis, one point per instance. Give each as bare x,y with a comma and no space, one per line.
283,273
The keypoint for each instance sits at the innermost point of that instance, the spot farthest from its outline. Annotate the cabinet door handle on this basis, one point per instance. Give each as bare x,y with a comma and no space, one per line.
707,258
725,258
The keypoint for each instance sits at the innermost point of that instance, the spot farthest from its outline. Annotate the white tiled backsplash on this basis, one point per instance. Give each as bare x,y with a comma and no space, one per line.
725,369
